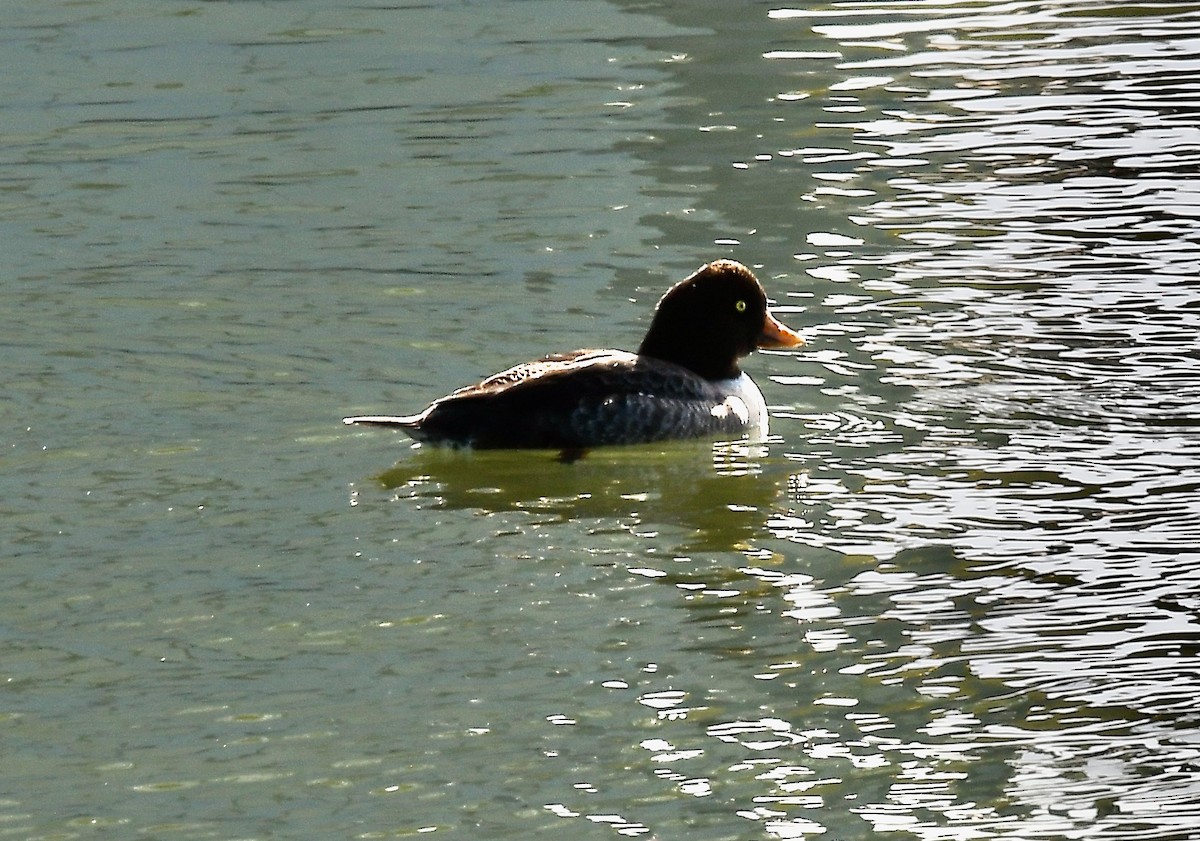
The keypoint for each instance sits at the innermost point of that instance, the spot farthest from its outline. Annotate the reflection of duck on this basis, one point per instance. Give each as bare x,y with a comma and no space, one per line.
684,381
707,504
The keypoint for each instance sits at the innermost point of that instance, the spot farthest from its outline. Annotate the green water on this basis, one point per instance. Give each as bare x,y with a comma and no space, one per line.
954,596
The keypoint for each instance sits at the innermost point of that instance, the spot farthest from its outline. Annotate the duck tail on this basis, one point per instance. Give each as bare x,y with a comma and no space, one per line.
404,422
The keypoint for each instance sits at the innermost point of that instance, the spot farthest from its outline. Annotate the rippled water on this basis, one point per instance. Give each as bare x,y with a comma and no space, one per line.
955,596
1036,337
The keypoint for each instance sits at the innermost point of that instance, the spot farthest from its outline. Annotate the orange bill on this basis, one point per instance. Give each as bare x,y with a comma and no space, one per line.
777,335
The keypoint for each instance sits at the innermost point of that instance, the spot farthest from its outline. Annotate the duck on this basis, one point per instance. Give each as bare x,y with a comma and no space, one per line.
684,381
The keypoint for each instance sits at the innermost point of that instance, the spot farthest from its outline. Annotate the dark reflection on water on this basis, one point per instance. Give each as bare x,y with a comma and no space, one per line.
715,503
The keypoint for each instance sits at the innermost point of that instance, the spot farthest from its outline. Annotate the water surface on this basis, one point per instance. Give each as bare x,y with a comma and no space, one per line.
953,597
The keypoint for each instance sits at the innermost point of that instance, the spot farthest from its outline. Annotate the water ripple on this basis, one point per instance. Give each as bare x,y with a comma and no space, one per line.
1013,473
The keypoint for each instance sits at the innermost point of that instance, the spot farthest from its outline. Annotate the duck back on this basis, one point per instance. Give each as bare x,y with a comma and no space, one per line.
580,400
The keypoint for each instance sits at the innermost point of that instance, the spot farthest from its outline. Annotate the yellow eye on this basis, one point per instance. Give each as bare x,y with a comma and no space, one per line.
740,306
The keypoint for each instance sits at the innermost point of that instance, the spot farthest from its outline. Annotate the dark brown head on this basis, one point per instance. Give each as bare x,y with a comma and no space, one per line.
710,320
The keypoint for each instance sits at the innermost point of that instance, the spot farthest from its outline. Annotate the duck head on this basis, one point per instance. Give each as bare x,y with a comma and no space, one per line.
713,318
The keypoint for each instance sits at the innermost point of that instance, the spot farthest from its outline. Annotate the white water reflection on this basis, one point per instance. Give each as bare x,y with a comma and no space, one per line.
1042,320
